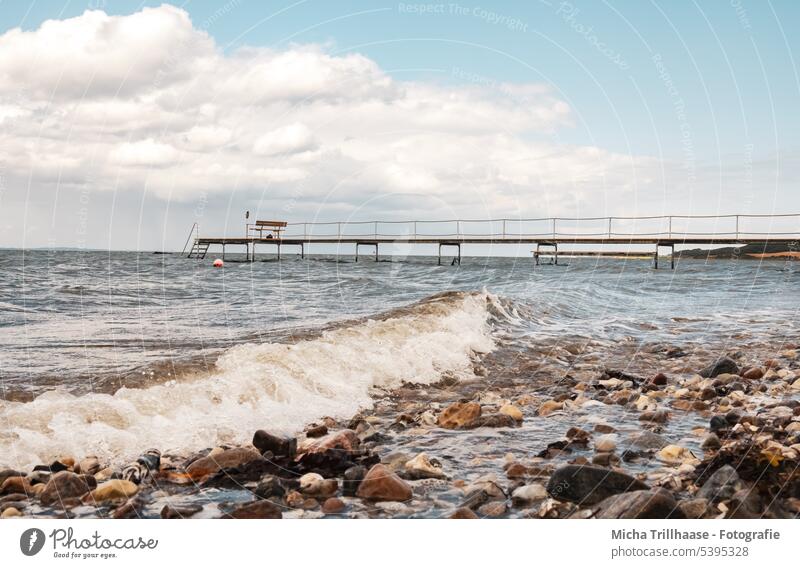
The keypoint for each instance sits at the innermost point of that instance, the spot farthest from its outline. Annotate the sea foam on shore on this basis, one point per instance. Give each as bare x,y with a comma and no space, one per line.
274,385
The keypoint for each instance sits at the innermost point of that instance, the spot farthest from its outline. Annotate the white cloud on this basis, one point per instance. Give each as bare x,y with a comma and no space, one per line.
108,103
144,153
291,139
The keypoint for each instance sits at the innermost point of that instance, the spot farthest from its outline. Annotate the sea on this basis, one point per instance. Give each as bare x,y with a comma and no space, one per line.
110,353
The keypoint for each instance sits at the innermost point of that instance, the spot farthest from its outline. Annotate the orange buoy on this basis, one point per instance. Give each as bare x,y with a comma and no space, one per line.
218,263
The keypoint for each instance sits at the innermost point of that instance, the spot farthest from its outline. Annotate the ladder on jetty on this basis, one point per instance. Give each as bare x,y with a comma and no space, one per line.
548,234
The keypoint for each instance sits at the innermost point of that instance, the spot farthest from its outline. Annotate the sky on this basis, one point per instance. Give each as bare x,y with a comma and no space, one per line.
122,123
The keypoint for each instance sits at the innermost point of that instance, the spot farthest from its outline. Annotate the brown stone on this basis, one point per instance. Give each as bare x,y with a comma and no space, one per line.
317,431
225,459
660,379
112,490
332,506
64,486
380,484
257,510
345,440
180,511
463,513
753,373
549,407
493,509
657,416
459,414
16,485
646,504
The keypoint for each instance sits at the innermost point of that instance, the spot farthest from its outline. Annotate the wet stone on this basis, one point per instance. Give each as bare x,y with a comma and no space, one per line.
721,486
257,510
589,485
723,365
649,504
463,513
278,446
180,511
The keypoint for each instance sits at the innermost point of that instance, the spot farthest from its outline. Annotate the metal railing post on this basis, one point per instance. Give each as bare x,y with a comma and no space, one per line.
376,230
737,227
609,227
670,226
458,229
554,227
504,228
415,230
340,230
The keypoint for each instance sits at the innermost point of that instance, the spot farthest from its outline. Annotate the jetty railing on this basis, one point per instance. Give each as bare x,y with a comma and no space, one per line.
672,227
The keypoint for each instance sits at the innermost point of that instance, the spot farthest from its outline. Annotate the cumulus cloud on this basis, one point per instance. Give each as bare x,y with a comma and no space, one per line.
112,103
290,139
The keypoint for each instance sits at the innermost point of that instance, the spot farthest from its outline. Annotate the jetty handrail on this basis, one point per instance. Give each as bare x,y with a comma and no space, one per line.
511,228
194,228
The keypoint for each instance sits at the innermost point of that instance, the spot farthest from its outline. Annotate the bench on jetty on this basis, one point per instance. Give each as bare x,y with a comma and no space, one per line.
547,234
272,228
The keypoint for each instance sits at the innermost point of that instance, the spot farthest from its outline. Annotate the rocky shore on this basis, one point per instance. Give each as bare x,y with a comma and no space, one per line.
718,438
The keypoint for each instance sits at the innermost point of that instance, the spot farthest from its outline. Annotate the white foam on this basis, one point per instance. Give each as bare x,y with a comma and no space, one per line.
281,387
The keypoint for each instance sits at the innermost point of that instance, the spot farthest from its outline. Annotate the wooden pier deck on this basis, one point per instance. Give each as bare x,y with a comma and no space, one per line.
658,232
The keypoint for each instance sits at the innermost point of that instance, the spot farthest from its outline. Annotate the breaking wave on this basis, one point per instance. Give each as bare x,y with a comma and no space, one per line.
279,386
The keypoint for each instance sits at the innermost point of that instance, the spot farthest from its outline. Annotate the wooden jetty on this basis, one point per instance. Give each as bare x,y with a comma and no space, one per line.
547,234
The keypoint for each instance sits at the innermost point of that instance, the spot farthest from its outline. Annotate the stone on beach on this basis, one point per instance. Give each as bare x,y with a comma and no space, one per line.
110,490
421,467
512,411
723,365
380,484
88,466
459,414
257,510
333,505
753,373
64,485
656,416
529,493
721,485
463,513
180,511
226,459
645,504
674,454
589,485
10,512
344,440
694,508
491,421
605,444
353,476
266,442
711,442
549,407
16,484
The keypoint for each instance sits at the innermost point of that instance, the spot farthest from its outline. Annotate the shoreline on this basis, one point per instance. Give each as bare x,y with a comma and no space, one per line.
514,441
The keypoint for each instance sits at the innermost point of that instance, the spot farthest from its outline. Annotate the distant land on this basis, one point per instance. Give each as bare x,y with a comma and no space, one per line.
750,251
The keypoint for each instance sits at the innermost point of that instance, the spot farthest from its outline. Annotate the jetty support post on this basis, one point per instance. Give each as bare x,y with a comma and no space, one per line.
538,252
368,245
302,250
456,259
223,252
671,247
279,249
253,257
